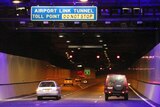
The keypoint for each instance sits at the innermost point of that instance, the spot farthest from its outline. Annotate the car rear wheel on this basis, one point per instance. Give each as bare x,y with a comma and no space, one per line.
126,97
58,97
106,97
39,98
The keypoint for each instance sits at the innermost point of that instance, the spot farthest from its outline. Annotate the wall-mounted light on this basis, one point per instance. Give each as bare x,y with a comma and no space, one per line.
98,36
45,22
118,57
104,44
79,66
97,56
107,22
70,56
68,41
76,23
61,36
100,41
22,22
139,22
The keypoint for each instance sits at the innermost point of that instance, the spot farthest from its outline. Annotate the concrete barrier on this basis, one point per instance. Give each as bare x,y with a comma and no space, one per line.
149,90
20,75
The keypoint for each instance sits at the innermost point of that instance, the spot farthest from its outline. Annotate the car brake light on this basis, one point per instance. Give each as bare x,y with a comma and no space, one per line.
38,90
109,92
57,89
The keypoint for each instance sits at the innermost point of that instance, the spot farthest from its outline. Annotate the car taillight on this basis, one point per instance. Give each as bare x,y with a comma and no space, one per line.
38,90
109,92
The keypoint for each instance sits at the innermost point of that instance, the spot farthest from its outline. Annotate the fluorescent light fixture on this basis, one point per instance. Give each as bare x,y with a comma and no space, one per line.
76,23
97,56
45,22
79,66
16,1
107,22
118,57
126,8
22,22
139,22
20,8
61,36
70,56
104,44
83,0
98,36
101,10
68,41
85,46
136,8
100,41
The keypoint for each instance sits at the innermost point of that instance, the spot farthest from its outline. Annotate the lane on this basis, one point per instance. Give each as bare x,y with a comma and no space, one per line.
94,96
75,96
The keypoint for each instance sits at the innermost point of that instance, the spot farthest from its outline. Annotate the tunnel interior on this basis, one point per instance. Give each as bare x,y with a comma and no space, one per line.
83,48
125,39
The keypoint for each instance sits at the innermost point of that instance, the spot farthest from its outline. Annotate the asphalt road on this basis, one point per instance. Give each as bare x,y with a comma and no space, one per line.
75,96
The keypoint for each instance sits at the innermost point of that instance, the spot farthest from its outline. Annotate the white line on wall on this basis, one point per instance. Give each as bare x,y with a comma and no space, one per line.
145,100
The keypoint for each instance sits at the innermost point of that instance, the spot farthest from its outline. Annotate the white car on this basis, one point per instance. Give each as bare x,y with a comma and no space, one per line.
48,89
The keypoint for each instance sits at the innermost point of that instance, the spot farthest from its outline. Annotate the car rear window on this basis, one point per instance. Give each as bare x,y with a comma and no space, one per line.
116,79
47,84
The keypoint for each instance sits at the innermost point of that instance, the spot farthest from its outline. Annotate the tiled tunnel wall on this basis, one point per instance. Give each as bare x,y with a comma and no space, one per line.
20,75
144,75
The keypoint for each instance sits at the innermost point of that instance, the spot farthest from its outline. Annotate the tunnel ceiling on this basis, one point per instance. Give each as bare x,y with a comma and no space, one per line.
90,44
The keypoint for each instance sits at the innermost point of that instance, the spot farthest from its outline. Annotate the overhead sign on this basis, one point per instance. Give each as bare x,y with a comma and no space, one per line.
87,71
63,13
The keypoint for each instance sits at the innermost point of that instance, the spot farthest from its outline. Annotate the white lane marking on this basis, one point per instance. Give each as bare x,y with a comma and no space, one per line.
84,87
28,96
79,89
80,86
145,100
23,98
95,101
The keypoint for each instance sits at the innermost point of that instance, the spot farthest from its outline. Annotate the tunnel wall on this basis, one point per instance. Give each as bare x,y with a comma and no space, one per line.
20,75
144,75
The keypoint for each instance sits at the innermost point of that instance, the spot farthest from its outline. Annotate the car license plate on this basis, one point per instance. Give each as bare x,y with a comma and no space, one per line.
118,85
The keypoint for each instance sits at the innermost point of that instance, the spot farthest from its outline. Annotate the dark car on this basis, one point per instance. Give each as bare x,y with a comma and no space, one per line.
48,89
116,85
